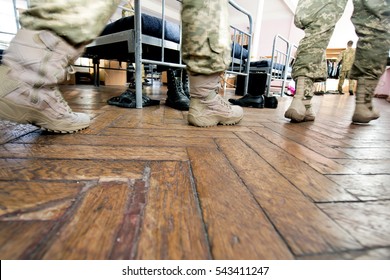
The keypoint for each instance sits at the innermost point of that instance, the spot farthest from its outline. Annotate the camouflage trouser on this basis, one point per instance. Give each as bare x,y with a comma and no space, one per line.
206,39
78,21
318,19
372,23
345,75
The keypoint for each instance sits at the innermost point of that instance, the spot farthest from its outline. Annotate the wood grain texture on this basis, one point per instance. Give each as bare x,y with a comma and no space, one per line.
225,215
91,152
143,184
20,197
368,222
309,181
64,169
16,238
172,225
293,214
91,231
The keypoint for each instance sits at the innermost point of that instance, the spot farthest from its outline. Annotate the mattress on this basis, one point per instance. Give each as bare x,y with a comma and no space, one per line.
151,26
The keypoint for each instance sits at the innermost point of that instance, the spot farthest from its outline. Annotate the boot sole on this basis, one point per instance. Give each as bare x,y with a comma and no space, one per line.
364,120
207,122
27,115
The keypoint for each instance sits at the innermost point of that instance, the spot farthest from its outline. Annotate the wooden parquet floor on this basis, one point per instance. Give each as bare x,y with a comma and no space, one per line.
143,184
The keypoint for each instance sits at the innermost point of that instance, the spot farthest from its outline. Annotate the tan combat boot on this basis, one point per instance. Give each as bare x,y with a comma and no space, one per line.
364,111
207,107
33,65
301,109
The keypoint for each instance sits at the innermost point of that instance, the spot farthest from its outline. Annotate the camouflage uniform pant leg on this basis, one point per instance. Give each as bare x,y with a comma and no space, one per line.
372,24
78,21
343,75
206,47
318,20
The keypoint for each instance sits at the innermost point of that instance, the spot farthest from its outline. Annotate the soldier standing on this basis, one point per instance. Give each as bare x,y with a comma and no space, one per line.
54,34
346,57
318,19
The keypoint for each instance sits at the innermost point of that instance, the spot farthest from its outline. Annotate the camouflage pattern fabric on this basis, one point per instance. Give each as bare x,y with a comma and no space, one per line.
206,37
77,21
206,47
347,56
372,23
129,5
318,18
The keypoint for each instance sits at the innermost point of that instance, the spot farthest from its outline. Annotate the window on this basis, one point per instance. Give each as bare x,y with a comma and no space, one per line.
9,24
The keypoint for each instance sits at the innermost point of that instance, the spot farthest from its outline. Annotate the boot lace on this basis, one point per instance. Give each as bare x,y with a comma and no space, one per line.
224,102
61,99
70,70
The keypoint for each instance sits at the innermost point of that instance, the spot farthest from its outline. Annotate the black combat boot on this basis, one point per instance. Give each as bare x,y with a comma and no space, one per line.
176,97
185,82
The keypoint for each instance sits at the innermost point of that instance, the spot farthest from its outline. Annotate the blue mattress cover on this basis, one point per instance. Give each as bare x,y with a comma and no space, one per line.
151,26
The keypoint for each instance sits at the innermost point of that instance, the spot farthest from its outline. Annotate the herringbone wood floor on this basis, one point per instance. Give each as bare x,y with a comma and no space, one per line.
143,184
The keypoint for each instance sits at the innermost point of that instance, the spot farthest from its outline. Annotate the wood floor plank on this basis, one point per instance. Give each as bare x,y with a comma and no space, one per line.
365,187
236,226
300,137
16,238
53,211
312,183
317,128
143,184
365,167
176,117
91,231
101,121
176,131
368,153
370,254
91,152
21,197
369,143
317,135
72,170
127,236
118,140
172,224
319,162
369,222
294,216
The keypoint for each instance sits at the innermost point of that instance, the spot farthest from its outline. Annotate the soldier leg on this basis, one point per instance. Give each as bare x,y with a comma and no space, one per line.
343,74
351,83
317,19
372,24
206,51
39,56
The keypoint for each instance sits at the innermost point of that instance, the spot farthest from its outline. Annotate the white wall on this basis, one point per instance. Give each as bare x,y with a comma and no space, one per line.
273,17
344,30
